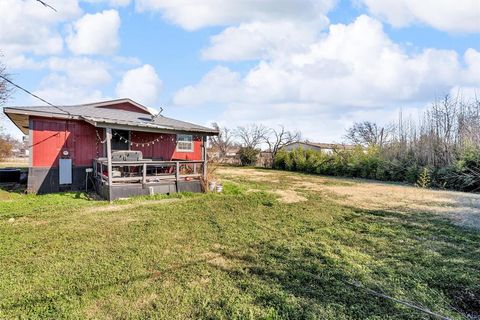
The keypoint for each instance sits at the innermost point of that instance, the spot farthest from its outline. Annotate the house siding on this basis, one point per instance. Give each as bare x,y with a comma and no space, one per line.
50,137
126,106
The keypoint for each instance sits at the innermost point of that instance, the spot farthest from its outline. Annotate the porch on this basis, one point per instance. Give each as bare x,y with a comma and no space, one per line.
130,174
146,177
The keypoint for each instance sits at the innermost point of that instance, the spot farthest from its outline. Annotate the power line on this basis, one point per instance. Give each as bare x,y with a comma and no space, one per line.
47,5
33,95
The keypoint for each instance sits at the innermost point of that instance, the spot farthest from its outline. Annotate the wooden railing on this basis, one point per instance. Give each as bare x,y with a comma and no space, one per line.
148,171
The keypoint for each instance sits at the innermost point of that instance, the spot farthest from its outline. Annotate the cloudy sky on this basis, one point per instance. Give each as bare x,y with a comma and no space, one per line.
316,66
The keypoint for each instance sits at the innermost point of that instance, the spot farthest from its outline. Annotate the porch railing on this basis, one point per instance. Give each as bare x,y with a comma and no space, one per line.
147,171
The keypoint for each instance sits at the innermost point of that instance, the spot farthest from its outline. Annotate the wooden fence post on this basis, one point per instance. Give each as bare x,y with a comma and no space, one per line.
109,162
144,173
177,173
204,147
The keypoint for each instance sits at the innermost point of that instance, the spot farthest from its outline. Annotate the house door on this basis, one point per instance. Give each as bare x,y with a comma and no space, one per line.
120,139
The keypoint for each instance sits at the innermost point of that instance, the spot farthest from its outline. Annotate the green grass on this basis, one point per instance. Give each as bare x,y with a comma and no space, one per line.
236,255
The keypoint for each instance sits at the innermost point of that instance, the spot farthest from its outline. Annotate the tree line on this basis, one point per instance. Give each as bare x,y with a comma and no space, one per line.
441,149
250,139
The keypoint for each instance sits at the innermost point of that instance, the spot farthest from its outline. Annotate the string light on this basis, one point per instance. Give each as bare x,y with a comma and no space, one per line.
99,139
132,143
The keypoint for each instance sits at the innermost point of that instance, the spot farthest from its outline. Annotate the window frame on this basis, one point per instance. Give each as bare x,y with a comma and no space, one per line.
191,149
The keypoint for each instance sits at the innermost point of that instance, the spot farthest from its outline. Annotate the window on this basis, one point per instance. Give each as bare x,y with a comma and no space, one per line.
184,143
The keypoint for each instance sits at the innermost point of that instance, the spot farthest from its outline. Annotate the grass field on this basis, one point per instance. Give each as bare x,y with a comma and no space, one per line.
273,245
14,163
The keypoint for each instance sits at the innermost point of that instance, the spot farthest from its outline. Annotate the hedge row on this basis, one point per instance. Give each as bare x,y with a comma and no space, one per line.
463,175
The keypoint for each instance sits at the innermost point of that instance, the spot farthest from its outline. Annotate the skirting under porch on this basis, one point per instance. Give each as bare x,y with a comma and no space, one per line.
126,190
122,179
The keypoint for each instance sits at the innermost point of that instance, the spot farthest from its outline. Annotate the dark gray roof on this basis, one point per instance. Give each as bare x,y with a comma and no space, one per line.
99,115
320,145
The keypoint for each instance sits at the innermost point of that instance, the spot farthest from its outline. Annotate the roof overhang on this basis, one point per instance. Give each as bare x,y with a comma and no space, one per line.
100,123
21,119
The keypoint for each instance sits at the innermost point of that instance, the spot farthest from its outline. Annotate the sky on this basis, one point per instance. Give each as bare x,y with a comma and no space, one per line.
313,66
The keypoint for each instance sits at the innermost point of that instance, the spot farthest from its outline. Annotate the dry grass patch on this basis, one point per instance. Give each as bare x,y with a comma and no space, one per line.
289,196
14,163
146,301
461,208
216,259
29,221
251,174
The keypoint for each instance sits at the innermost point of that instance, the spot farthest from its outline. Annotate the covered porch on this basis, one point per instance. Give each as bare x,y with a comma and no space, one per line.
125,173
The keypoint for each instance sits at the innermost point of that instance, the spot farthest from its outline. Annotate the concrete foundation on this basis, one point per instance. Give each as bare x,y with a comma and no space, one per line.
46,180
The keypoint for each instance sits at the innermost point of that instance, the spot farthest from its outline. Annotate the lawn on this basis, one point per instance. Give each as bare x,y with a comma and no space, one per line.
273,245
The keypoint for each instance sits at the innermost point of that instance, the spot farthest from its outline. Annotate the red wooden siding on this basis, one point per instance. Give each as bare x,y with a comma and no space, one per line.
165,149
52,136
125,106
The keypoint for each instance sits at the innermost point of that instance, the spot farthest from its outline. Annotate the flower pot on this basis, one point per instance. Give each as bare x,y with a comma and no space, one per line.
211,186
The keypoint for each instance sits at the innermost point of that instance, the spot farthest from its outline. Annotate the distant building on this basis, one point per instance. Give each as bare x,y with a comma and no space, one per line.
231,155
327,148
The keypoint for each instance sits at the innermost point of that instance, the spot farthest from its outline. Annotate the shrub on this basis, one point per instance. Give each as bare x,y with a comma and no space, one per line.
248,156
424,179
279,162
372,163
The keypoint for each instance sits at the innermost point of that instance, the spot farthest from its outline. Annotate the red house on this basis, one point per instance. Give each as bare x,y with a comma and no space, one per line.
118,147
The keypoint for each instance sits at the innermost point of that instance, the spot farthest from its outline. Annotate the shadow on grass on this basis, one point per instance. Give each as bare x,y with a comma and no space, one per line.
427,261
14,187
94,288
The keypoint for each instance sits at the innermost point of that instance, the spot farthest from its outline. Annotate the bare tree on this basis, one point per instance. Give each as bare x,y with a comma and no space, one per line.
7,143
368,134
5,89
277,139
252,135
223,141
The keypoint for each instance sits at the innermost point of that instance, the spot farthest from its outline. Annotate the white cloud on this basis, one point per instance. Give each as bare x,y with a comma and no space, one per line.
95,33
350,68
113,3
141,84
20,61
73,80
472,60
219,85
27,26
261,40
192,15
446,15
58,89
81,71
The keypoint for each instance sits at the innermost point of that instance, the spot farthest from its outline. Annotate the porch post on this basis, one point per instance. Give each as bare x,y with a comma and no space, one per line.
109,162
204,152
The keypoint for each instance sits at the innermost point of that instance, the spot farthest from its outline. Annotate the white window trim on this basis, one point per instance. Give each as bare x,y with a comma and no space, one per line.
191,143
